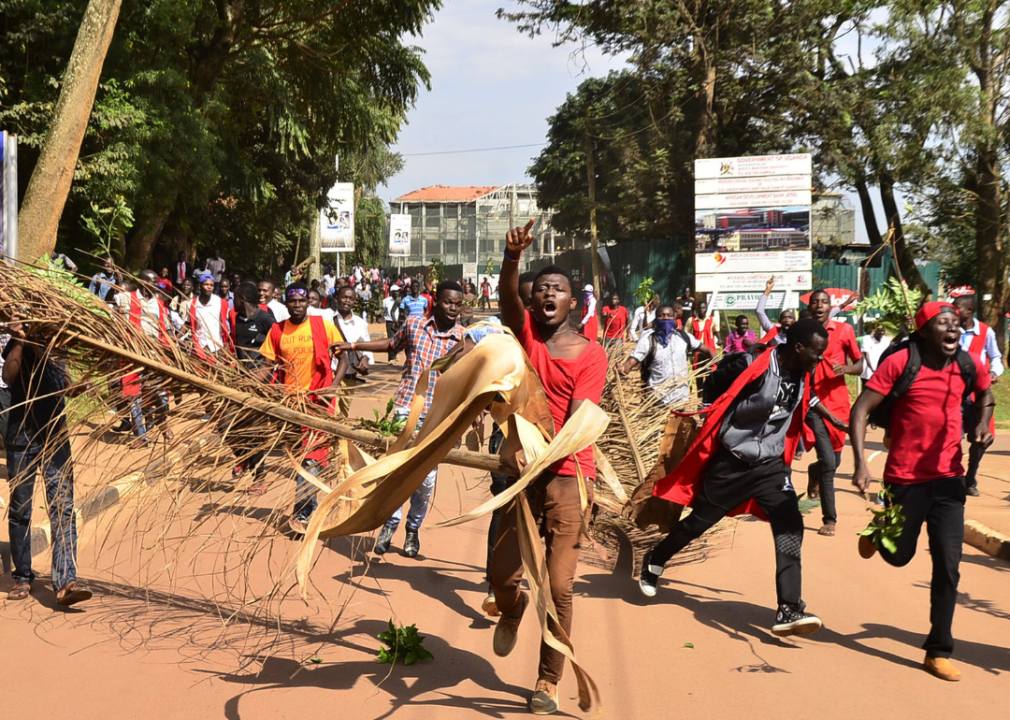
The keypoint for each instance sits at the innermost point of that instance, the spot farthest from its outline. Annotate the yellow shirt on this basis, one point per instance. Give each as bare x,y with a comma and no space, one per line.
296,353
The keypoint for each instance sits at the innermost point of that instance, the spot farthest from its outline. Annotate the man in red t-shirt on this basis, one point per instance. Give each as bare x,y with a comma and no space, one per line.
572,370
615,324
829,385
924,474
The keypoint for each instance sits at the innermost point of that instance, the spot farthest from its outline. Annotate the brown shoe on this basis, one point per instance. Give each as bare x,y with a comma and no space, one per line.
545,698
943,668
72,593
866,547
506,632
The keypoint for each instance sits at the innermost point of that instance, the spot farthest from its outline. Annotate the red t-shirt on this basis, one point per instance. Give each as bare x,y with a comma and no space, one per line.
581,378
926,423
615,320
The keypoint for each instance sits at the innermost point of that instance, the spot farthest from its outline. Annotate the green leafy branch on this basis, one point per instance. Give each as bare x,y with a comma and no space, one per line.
887,523
402,643
388,424
889,305
108,225
645,291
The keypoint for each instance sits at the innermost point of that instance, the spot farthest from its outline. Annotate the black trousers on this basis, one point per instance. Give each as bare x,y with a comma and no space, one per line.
822,472
729,483
390,332
940,504
499,483
975,450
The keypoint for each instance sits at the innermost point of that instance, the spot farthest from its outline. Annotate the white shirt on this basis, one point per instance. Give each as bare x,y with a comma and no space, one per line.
872,350
389,305
590,310
208,330
150,313
639,320
990,350
324,313
356,330
668,371
329,282
279,310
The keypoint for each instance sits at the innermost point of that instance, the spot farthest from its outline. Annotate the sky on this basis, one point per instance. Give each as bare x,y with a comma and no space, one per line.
492,87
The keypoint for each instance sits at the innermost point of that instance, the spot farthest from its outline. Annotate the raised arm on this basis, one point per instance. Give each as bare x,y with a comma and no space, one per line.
513,314
766,324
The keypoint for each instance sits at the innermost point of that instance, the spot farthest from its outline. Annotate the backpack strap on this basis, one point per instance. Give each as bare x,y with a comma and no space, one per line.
969,374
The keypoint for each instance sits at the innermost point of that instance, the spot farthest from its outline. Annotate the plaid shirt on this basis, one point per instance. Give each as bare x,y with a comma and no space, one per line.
424,345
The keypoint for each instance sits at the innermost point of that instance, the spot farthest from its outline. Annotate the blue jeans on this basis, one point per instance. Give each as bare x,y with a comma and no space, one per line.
23,461
421,498
156,407
305,492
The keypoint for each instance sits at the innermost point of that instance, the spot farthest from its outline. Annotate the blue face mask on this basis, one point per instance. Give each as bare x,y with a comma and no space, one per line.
664,329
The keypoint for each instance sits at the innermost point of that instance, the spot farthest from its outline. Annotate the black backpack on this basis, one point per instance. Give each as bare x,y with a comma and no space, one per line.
881,415
646,366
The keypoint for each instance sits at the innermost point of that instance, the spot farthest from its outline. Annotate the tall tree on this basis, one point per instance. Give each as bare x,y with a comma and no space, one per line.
40,213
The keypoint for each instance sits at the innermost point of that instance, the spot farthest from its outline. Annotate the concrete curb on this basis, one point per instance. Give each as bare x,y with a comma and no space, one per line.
987,540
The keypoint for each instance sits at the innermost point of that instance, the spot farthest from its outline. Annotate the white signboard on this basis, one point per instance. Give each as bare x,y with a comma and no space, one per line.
749,301
742,262
786,198
399,235
336,223
753,166
751,282
731,185
470,272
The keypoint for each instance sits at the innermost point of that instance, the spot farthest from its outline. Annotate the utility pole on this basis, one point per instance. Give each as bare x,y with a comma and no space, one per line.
593,240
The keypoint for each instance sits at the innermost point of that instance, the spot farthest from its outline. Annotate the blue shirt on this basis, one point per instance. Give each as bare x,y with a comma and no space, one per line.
990,351
414,305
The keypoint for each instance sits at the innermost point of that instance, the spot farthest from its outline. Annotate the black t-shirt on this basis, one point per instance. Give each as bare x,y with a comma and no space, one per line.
250,333
37,405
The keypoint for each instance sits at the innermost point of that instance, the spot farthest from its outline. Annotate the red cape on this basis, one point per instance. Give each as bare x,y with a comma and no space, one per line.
681,486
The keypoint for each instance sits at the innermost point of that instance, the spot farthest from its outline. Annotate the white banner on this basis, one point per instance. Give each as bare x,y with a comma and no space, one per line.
731,185
769,262
399,235
753,166
470,272
336,223
786,198
749,301
751,282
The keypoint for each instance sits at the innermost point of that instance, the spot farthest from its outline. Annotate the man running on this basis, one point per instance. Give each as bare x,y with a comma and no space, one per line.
355,330
413,304
573,370
924,474
979,341
589,325
740,462
426,340
615,324
830,387
299,349
208,319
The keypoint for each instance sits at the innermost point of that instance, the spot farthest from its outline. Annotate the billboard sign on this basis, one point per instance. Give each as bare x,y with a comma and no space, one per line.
336,221
752,221
749,301
399,235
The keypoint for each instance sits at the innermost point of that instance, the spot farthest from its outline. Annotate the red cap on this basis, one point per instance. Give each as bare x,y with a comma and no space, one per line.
930,310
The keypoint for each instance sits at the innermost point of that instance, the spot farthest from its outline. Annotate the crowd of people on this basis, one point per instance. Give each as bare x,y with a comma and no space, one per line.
780,394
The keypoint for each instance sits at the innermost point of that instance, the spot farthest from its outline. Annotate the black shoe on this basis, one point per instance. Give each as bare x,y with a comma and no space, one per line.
411,544
792,620
649,581
972,491
382,542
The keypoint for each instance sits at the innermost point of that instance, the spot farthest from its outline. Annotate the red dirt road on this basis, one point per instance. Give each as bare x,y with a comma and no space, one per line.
164,654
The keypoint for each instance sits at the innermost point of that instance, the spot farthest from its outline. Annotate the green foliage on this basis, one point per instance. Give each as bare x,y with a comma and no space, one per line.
108,226
645,291
387,424
887,523
436,271
402,643
889,303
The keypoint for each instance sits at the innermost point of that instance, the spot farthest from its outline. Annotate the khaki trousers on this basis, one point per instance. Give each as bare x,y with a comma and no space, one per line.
554,502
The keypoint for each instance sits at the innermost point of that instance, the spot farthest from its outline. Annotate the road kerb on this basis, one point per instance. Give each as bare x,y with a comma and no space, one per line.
987,540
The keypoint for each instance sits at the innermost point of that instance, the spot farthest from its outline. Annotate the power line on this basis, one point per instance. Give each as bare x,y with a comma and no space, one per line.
474,150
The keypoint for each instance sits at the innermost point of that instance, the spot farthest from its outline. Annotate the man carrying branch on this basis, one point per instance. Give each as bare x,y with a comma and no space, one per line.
572,369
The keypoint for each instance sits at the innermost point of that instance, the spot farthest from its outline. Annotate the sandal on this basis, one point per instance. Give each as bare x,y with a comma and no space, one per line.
72,593
22,589
238,471
828,530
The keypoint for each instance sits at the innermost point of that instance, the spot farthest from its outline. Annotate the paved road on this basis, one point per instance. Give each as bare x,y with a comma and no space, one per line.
167,654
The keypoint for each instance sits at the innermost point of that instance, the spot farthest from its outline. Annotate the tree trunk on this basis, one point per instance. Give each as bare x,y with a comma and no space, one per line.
703,139
903,255
50,183
989,241
869,214
208,64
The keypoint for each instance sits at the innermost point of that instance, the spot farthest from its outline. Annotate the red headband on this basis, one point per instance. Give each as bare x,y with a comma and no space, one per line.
930,310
